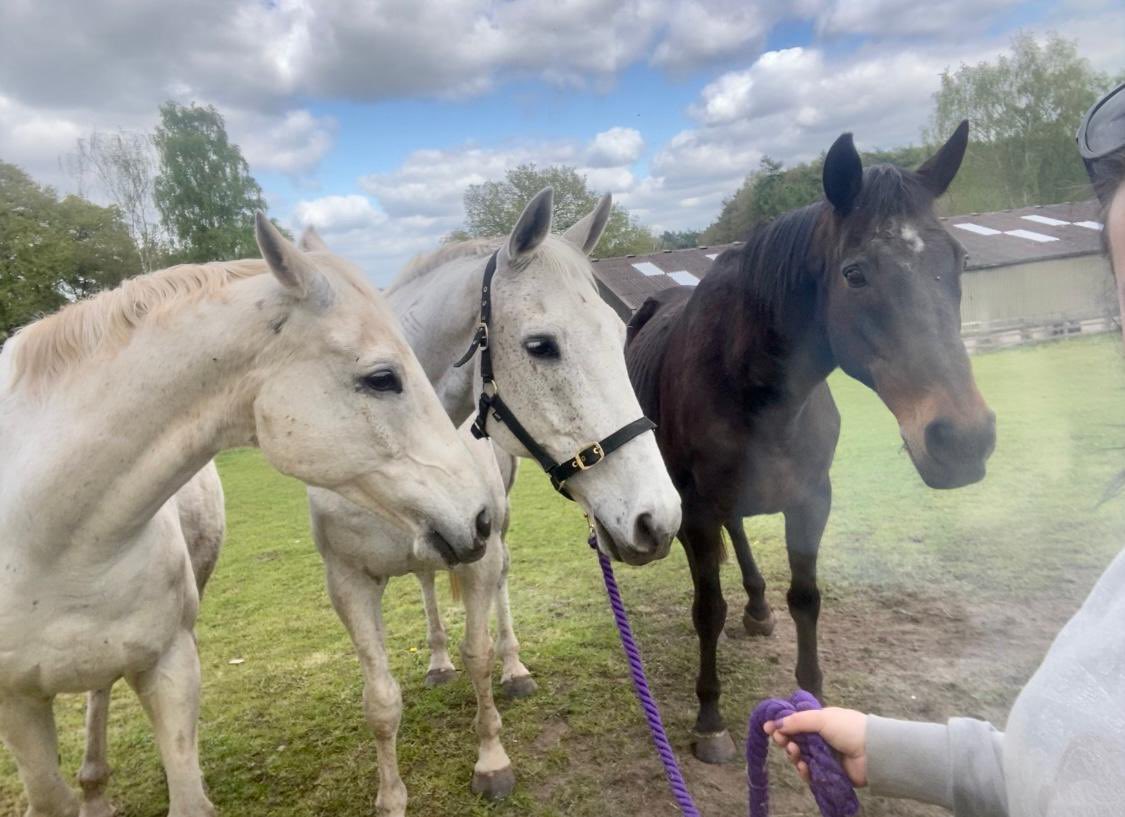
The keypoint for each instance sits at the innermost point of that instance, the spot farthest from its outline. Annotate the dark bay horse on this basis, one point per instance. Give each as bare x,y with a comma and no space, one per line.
733,371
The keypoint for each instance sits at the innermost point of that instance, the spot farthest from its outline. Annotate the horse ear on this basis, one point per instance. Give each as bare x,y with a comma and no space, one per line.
938,171
585,232
843,174
288,264
311,241
533,225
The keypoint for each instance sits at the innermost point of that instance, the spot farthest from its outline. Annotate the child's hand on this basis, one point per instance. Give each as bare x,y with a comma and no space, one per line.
845,730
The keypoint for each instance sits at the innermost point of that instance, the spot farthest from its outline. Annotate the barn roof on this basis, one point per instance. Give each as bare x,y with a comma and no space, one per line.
1007,237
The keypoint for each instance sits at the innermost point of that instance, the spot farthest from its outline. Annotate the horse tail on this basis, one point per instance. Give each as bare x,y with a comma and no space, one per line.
454,586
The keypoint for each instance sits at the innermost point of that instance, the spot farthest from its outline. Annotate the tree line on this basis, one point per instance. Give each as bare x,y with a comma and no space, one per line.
183,193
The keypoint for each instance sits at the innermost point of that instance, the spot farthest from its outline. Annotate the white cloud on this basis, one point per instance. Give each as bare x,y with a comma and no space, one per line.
293,143
616,146
946,18
338,214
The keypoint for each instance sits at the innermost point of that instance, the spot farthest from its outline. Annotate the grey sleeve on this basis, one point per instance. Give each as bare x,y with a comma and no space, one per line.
958,765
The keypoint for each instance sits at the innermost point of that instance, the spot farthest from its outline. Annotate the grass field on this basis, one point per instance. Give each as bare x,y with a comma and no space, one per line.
934,604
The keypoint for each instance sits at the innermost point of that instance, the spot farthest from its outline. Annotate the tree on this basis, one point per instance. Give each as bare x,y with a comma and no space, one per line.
53,252
124,165
491,208
1023,109
679,240
205,193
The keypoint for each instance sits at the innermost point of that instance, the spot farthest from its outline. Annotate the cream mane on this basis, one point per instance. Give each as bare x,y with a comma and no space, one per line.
47,348
427,262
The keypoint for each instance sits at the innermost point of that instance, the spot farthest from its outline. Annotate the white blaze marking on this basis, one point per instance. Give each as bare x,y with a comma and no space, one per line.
911,237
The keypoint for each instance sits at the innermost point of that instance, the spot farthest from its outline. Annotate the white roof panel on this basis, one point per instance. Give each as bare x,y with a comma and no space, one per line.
648,268
1031,235
979,229
1050,222
712,255
683,277
1089,225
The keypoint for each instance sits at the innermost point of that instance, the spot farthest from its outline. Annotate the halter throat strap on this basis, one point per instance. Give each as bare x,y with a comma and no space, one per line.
490,402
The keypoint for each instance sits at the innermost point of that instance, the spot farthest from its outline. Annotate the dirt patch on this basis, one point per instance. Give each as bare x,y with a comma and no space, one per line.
909,654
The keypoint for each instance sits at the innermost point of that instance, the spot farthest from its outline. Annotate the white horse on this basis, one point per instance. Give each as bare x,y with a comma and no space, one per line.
557,353
109,407
202,515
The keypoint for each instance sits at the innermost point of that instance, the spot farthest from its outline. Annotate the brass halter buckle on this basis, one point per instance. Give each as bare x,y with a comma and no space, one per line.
593,450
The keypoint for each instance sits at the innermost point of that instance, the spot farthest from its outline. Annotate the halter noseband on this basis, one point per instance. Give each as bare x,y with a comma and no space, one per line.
490,401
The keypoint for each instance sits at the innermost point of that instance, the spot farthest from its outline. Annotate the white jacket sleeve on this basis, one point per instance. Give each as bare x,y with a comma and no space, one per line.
958,765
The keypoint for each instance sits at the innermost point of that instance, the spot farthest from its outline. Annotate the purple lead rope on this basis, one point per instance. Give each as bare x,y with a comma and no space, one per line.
640,684
830,786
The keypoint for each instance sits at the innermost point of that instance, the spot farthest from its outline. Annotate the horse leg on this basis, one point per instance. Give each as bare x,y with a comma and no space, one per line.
492,775
515,678
757,619
804,525
441,670
703,542
27,726
358,600
169,693
94,774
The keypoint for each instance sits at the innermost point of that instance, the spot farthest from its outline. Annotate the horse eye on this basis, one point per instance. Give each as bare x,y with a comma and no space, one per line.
382,380
855,277
542,346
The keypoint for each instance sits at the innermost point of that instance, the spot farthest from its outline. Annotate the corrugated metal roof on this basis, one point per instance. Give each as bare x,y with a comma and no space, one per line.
999,239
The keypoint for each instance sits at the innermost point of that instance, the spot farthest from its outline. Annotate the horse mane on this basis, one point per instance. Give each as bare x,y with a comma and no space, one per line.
782,255
47,348
425,263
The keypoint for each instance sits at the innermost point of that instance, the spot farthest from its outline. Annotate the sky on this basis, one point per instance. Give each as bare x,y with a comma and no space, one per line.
369,119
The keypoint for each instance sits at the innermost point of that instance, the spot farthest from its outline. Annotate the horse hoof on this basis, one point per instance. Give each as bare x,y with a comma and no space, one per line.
715,748
758,627
522,686
494,785
438,677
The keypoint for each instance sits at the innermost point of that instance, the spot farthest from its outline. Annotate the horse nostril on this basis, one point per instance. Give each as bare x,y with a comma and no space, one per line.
946,441
484,523
645,539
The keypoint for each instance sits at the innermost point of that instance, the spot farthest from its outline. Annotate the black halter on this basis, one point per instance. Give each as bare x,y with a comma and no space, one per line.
490,401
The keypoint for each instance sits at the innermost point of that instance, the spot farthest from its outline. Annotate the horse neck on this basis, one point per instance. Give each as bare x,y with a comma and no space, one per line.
113,439
439,313
780,348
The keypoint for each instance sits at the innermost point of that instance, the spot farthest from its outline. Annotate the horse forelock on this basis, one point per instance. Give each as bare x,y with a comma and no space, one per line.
53,344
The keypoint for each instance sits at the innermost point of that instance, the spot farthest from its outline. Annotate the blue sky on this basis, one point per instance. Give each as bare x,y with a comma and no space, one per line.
369,119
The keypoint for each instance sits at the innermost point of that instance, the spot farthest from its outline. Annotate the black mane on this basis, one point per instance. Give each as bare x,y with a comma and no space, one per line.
790,253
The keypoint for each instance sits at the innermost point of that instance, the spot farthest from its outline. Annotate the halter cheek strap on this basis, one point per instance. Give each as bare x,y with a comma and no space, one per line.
490,402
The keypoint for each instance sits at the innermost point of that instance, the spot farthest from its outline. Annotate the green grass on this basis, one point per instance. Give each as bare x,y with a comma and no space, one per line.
283,732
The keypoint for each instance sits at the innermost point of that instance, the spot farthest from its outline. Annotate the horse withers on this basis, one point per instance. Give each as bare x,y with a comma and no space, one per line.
734,373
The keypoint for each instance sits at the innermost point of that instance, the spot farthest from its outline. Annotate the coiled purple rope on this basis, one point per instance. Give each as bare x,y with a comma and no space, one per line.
830,786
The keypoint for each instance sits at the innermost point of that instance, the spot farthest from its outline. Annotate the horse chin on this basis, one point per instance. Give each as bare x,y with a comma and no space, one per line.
946,476
608,545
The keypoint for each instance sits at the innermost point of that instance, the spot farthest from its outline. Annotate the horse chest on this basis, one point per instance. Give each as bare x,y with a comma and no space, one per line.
71,628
